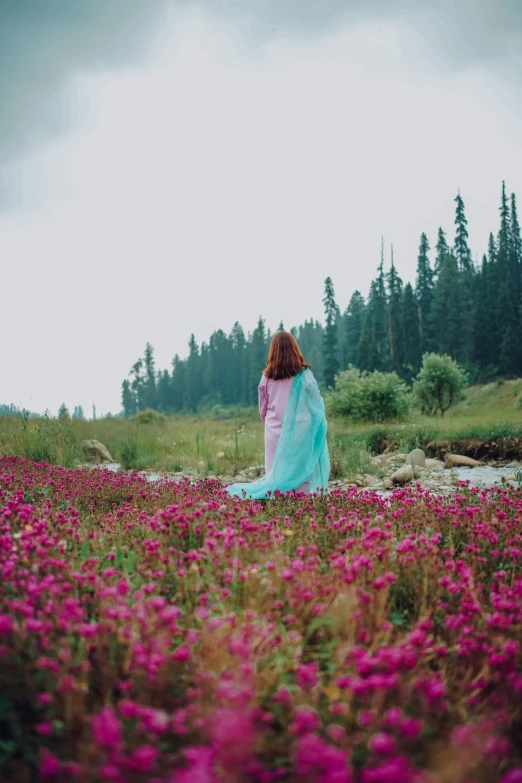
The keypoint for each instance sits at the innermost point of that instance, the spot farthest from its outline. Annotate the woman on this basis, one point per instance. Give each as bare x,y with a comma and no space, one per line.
291,406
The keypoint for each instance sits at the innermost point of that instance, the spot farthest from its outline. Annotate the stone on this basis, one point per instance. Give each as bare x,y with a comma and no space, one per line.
380,461
417,458
403,475
434,464
459,460
96,451
513,465
220,454
387,483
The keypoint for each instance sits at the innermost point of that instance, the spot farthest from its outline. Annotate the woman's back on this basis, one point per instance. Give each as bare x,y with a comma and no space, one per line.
274,396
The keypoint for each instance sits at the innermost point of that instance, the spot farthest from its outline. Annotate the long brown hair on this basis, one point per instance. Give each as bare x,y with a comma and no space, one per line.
285,358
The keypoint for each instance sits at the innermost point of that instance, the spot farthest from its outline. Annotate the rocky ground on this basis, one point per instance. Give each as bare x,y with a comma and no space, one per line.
389,470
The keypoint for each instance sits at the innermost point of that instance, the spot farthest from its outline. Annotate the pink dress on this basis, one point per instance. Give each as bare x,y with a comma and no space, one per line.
273,399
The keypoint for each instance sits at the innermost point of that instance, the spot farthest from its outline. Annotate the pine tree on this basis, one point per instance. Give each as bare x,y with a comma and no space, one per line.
516,249
366,359
442,249
63,412
240,367
372,353
178,384
310,337
484,349
508,303
447,312
353,320
163,392
149,392
258,354
411,334
461,250
204,372
424,294
395,317
138,384
331,365
281,327
193,375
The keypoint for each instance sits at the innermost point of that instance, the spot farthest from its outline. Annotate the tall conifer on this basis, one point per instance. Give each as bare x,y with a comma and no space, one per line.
353,320
331,364
411,334
424,294
395,316
442,249
258,357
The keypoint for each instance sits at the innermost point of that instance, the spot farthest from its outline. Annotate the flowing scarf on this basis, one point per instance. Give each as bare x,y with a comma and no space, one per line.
302,450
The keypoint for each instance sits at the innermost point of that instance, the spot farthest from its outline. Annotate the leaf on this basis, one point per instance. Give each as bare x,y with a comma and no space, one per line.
316,624
397,619
130,563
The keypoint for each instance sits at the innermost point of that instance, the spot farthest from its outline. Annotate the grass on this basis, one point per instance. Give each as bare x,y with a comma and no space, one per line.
204,445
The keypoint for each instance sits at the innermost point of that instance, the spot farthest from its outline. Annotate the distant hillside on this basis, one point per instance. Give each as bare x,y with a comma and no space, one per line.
499,399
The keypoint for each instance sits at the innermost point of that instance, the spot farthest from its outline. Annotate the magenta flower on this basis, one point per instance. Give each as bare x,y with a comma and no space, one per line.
381,743
182,653
106,729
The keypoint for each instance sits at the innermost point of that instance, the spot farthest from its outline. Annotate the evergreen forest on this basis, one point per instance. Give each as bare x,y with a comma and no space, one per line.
456,306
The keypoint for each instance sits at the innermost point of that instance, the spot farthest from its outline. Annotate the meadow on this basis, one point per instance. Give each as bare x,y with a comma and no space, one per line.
207,445
164,632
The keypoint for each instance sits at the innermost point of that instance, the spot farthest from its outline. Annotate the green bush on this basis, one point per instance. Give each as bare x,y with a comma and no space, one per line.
439,383
129,455
48,439
373,397
150,416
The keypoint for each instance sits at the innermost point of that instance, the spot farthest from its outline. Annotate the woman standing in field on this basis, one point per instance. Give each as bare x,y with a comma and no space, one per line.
291,406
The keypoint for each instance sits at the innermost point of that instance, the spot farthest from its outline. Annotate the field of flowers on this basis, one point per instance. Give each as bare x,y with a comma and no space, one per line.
166,633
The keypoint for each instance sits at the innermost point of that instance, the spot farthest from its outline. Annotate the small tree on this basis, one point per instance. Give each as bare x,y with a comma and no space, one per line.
439,383
63,412
363,396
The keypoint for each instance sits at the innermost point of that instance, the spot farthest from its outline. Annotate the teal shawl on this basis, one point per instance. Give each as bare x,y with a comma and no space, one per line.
302,450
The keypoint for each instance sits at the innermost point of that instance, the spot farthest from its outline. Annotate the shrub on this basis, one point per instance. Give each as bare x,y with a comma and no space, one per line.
129,454
439,383
48,439
150,416
374,397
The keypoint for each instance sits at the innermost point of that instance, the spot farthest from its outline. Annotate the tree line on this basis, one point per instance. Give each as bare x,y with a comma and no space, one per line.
471,312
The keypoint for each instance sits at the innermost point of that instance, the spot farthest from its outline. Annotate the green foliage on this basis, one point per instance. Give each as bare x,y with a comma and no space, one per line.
149,416
129,455
47,439
438,384
373,397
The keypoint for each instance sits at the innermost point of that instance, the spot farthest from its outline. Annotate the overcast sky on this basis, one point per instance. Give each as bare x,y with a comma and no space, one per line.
169,173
